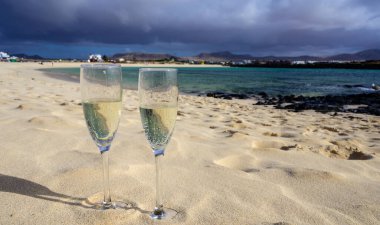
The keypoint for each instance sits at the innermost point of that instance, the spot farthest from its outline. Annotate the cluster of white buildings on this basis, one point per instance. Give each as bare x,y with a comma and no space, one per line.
4,55
303,62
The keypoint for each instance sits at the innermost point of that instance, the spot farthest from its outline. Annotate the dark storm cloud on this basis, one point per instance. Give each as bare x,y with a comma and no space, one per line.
257,27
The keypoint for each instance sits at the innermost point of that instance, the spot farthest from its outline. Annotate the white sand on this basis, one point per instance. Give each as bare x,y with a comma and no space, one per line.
229,162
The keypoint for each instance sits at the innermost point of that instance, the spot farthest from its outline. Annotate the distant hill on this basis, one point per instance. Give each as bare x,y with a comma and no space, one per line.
370,54
139,56
221,56
226,56
25,56
289,58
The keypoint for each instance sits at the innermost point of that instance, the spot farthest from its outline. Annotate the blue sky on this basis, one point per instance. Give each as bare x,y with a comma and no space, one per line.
76,28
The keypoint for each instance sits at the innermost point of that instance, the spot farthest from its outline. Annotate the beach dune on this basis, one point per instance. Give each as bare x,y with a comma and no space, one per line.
229,161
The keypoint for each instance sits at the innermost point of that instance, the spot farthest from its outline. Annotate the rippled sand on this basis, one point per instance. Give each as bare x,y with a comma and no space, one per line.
229,162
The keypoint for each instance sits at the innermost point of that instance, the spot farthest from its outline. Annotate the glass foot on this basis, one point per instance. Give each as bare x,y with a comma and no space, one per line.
96,201
163,214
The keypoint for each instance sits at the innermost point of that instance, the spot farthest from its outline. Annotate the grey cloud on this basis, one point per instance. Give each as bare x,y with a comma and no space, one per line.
241,25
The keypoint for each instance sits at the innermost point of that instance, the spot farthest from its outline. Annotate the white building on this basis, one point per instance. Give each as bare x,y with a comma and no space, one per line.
4,55
95,58
298,62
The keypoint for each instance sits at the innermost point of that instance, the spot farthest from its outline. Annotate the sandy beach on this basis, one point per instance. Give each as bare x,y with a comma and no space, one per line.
229,161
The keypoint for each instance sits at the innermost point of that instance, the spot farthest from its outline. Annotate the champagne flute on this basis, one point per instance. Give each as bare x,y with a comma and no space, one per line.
158,96
101,99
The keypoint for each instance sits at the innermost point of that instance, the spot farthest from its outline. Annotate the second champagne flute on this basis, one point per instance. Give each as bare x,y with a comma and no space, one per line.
158,96
101,99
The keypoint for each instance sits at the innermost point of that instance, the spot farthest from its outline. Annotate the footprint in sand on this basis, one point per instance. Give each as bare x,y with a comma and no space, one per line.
310,130
245,163
364,128
357,155
48,121
25,106
331,129
266,144
21,107
346,149
237,124
229,133
277,223
288,135
270,134
288,147
310,174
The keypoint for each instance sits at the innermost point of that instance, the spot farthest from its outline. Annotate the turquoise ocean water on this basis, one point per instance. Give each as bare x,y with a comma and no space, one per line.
273,81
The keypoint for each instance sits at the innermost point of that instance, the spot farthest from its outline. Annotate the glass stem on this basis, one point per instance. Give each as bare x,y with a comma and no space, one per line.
159,205
106,185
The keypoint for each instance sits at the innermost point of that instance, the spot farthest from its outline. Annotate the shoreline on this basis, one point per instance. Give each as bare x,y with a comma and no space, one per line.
362,103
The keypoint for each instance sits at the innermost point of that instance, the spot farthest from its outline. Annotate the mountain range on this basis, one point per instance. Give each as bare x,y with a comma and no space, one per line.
370,54
139,56
25,56
225,56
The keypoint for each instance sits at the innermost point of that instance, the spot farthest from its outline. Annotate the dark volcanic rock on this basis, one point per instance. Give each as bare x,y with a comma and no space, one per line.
263,94
227,96
368,103
359,156
353,86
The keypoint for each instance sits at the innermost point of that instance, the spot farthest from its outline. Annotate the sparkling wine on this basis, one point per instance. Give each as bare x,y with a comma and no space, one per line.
102,118
158,122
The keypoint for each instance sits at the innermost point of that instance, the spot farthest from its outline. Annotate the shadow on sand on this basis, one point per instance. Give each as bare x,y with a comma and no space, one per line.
29,188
